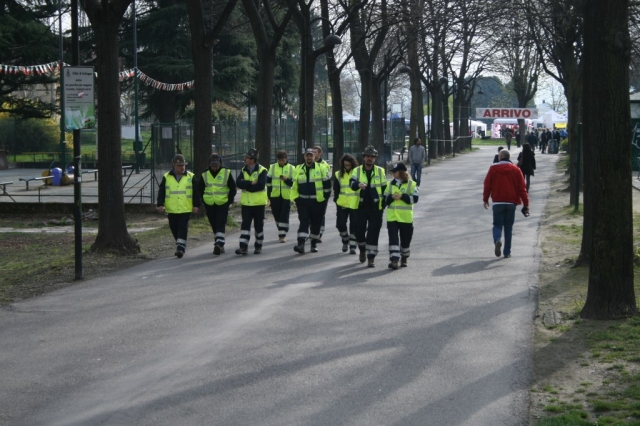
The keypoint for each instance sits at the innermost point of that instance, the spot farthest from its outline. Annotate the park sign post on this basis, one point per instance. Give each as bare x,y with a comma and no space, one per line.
517,113
79,106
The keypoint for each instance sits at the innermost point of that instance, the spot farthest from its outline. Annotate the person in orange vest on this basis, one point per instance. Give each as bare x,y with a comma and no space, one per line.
177,198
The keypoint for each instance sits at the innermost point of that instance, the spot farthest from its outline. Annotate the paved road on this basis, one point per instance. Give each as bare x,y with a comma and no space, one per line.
284,339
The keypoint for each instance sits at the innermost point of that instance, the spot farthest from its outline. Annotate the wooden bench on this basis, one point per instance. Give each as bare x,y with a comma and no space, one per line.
3,186
125,168
29,179
94,171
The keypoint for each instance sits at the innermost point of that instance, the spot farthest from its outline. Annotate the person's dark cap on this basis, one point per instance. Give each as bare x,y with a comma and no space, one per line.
252,153
179,160
309,151
399,167
370,150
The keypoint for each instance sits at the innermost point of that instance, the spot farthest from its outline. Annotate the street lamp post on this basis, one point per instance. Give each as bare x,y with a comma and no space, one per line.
137,143
385,141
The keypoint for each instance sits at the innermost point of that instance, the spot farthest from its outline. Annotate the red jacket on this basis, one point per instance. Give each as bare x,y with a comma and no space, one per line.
505,183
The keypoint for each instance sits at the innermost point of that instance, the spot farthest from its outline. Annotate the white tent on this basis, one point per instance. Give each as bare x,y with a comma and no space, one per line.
478,124
349,118
550,118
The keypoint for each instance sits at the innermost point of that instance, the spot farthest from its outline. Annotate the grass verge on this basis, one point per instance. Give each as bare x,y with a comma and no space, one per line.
586,372
36,263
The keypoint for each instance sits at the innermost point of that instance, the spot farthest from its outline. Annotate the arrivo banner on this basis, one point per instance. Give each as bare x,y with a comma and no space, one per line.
507,113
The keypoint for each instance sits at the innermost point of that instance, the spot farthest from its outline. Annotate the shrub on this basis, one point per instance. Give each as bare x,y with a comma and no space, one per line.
31,135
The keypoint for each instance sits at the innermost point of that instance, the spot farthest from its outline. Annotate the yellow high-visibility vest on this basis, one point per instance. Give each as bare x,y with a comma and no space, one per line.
278,187
378,180
316,175
254,198
348,198
178,196
398,210
216,189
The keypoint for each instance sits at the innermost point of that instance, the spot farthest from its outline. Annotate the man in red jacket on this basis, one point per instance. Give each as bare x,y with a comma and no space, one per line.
505,184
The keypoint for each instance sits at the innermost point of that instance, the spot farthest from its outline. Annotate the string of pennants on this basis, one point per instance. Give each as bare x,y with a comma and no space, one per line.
286,107
288,110
52,67
124,75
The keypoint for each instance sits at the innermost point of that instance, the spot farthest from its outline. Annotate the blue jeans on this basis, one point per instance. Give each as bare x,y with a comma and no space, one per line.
503,217
416,172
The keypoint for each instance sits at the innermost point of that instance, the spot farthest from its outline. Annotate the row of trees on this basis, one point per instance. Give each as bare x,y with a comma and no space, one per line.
265,50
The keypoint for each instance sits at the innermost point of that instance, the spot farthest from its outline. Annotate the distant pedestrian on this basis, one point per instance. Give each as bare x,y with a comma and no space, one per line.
518,138
496,157
527,163
402,151
417,155
217,188
279,183
253,182
505,185
508,136
400,196
532,140
177,198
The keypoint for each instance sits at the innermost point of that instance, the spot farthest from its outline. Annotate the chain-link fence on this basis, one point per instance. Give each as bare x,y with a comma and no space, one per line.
161,141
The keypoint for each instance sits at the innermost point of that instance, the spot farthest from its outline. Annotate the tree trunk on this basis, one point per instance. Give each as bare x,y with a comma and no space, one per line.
464,123
264,105
167,107
444,144
607,130
336,109
573,95
377,128
417,110
202,134
365,108
307,83
112,225
436,120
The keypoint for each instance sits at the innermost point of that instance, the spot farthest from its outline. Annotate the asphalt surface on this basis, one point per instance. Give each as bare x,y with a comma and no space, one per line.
287,339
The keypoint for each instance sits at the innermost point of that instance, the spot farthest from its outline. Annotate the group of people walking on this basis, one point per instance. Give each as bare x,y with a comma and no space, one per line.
361,194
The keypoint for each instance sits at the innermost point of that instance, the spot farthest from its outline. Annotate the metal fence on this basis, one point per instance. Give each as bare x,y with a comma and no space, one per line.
162,140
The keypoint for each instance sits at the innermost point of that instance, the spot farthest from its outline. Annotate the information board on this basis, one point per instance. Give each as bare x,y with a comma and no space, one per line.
79,106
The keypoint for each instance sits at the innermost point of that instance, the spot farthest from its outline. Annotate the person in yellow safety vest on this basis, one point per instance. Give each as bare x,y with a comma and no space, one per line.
253,182
217,189
279,183
371,180
347,201
317,154
311,190
400,196
177,198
